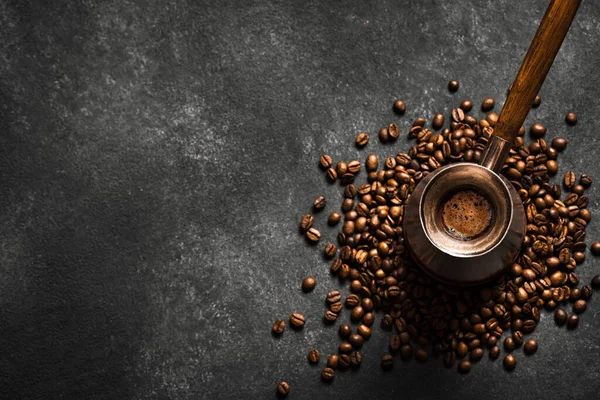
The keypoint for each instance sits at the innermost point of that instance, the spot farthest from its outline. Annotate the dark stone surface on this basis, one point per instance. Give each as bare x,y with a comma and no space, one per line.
155,158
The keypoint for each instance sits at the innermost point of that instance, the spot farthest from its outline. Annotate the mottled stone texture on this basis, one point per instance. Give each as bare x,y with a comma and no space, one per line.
156,157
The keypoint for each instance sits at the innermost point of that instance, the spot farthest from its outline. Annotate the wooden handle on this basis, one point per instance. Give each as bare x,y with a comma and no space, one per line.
535,67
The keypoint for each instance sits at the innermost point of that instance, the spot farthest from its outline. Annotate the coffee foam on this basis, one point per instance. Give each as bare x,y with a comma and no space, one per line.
466,214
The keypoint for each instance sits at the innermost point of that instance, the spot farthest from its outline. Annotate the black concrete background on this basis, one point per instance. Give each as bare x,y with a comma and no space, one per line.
155,158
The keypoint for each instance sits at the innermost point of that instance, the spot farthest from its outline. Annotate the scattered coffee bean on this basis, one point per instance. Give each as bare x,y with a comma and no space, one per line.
384,136
330,250
314,356
421,355
487,104
560,317
438,121
572,321
387,362
559,143
308,284
399,107
313,235
580,306
319,203
332,361
509,344
569,179
466,105
464,367
510,362
326,161
530,347
393,132
372,163
297,320
283,389
536,102
306,222
334,218
571,119
453,85
596,282
537,131
278,327
362,139
494,353
332,175
595,248
345,331
327,374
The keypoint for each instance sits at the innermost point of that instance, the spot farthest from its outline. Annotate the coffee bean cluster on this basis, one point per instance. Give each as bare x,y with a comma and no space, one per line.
428,318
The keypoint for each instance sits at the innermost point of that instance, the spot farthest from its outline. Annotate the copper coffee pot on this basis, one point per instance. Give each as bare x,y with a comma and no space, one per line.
493,243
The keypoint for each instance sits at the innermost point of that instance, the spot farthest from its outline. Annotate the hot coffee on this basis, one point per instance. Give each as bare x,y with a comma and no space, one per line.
466,214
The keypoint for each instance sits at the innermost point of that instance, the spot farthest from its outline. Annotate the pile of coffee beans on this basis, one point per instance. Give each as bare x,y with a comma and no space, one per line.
424,317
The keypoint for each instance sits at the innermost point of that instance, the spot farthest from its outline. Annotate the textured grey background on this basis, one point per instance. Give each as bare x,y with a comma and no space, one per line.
155,158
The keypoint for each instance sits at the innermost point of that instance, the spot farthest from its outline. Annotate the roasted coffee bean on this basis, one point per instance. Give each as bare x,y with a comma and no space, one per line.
327,374
330,316
453,85
319,203
313,235
466,106
487,104
355,359
344,361
333,296
560,316
332,361
595,248
330,250
345,347
536,102
393,132
278,327
354,167
384,136
332,174
595,283
325,161
580,306
283,389
510,362
449,359
336,307
530,347
518,338
356,340
372,163
344,331
362,139
357,313
364,331
399,107
438,121
387,362
306,222
308,284
421,355
571,119
464,367
559,143
537,131
314,356
297,320
476,354
569,179
494,353
509,344
334,218
572,321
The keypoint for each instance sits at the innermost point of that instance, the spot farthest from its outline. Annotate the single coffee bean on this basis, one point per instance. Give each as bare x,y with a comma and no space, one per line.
357,313
393,132
449,359
320,203
336,307
313,235
345,347
492,119
325,161
560,316
327,374
536,102
278,327
372,163
306,222
344,361
595,282
314,356
355,359
464,367
466,105
399,107
387,362
330,250
362,139
476,354
356,340
308,284
530,347
518,337
297,320
384,135
537,131
344,331
334,218
510,362
586,292
569,179
364,331
572,321
580,306
332,175
494,353
571,118
333,296
438,121
585,180
509,345
559,143
333,360
595,248
283,389
487,104
354,167
453,85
